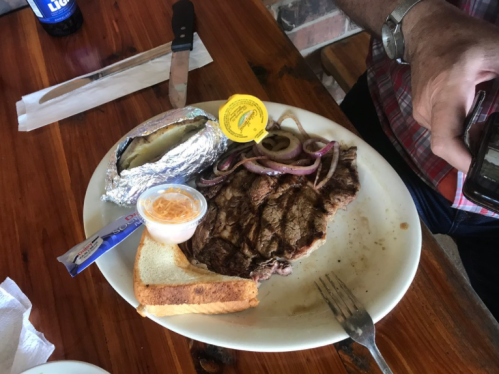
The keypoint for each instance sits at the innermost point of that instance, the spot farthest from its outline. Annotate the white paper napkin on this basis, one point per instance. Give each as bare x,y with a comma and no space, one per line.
21,346
32,115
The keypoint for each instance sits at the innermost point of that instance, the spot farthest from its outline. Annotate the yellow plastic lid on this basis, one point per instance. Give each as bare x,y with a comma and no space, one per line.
244,118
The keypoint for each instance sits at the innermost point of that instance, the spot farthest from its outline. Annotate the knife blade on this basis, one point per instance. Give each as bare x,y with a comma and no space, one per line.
106,72
183,28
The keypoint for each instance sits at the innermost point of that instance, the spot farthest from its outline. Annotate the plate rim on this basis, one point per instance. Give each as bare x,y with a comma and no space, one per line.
59,362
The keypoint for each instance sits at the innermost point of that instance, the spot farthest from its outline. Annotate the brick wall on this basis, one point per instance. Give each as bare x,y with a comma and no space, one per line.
311,24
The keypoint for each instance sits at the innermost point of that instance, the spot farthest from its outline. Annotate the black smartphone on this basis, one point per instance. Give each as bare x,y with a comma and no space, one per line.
482,182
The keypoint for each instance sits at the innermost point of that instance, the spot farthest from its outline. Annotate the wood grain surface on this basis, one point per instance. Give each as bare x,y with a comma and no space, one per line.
438,327
345,59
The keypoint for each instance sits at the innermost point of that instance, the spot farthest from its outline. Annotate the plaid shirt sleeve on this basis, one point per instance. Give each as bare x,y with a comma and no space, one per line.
462,203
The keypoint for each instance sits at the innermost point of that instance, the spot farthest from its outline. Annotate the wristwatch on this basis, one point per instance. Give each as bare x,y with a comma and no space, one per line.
391,32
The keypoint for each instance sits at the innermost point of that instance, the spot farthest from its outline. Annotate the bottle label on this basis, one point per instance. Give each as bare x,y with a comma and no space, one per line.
53,11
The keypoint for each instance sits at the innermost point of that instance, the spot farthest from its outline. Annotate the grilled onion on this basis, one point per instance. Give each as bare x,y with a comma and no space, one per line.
280,153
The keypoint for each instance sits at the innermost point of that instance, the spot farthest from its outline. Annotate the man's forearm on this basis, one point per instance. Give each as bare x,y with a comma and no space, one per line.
416,26
369,14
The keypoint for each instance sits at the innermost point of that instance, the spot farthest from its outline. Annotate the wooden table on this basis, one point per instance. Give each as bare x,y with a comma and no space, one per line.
438,327
345,59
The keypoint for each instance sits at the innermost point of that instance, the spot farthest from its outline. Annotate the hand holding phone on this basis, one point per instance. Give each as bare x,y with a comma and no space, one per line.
482,182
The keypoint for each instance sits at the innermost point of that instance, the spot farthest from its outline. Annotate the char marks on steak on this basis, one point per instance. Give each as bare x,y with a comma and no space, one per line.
255,223
342,188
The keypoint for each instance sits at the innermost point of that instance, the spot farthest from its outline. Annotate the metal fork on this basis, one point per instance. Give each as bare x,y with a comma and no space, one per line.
352,315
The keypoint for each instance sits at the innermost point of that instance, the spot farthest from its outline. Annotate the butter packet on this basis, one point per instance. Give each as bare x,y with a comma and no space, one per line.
84,254
243,118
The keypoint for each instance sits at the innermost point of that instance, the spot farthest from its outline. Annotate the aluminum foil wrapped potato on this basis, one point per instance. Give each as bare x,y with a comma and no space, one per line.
172,147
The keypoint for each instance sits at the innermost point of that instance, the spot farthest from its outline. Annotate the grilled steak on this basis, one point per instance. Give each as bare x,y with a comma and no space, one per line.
255,223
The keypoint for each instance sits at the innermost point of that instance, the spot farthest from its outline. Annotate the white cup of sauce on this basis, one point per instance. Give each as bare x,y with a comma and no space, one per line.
171,212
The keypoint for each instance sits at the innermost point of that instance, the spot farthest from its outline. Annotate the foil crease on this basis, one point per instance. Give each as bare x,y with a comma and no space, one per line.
179,165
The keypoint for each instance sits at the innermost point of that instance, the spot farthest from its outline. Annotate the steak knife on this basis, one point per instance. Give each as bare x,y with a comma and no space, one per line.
116,68
183,28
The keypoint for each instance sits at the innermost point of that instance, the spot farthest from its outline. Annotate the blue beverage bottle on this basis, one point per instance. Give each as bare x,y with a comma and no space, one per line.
58,17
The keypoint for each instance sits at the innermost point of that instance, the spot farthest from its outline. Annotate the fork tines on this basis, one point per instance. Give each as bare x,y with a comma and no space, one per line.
351,315
341,300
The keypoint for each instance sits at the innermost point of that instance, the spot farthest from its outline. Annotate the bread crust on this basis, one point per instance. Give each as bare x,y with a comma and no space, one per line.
223,296
210,308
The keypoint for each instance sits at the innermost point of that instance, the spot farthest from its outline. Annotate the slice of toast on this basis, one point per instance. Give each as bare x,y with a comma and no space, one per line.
166,284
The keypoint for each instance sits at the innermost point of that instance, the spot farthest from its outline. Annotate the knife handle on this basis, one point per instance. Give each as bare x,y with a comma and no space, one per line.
183,25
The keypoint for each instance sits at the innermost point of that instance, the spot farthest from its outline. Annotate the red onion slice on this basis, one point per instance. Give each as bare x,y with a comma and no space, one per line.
280,145
332,167
319,169
269,141
242,162
298,124
283,157
291,151
322,151
227,160
256,168
237,147
302,162
273,125
225,165
292,169
201,182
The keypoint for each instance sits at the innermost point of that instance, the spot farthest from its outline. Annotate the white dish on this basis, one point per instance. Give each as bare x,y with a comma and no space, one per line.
374,246
66,367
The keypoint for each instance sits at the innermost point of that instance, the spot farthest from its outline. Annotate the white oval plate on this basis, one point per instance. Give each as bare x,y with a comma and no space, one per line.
374,246
66,367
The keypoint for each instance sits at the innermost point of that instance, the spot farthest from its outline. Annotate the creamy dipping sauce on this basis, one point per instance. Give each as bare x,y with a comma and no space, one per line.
171,212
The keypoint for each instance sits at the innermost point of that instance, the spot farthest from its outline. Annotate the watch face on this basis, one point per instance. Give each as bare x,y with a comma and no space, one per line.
388,39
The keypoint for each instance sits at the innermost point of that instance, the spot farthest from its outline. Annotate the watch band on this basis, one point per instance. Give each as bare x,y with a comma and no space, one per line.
392,35
401,10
